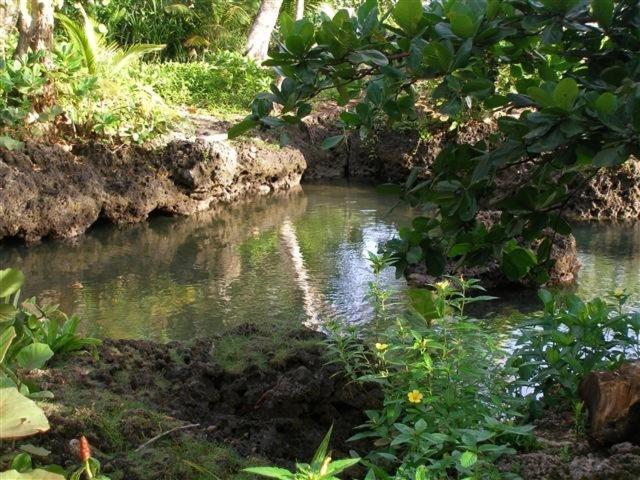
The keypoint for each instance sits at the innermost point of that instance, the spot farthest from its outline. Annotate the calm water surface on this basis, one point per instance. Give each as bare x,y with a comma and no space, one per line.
297,258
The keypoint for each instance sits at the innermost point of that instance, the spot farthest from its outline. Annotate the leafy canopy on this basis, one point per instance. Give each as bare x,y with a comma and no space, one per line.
571,108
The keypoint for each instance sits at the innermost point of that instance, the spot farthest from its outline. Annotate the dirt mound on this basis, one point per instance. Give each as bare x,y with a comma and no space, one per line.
280,412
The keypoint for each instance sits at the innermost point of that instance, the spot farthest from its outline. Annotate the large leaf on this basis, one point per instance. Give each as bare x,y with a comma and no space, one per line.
517,262
423,303
565,93
610,157
32,475
468,459
462,25
33,356
370,57
11,280
407,14
330,142
19,416
7,313
242,127
271,472
602,11
6,337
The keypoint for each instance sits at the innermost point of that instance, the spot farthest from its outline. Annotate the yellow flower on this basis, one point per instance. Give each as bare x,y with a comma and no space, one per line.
443,285
415,396
381,347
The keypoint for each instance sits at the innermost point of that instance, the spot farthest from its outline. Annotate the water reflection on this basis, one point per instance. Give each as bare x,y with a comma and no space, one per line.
288,258
297,257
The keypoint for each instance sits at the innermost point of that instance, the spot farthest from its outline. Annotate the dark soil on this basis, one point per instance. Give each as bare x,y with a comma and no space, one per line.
134,390
129,392
564,454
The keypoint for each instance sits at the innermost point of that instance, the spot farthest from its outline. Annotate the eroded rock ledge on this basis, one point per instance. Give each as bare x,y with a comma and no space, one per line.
59,192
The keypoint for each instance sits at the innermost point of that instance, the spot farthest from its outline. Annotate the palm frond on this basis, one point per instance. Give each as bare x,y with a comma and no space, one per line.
197,41
81,43
178,9
124,58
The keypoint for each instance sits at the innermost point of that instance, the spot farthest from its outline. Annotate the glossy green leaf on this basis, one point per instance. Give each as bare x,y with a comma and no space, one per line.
602,11
610,157
607,103
6,337
407,14
370,57
565,93
19,416
517,262
34,356
11,281
270,472
37,474
242,127
331,142
462,25
468,459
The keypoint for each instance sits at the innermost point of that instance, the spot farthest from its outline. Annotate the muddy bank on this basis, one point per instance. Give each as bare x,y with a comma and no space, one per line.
265,413
135,390
59,192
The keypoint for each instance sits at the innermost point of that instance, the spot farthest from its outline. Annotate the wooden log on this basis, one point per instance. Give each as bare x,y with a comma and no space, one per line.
613,402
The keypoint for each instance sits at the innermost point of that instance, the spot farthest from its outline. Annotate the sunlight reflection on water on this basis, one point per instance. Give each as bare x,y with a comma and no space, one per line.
297,257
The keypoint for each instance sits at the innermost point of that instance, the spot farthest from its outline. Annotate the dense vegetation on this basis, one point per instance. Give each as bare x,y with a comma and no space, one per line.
561,78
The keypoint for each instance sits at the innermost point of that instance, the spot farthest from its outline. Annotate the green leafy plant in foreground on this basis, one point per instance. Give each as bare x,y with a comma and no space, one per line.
20,417
322,467
570,338
447,410
30,335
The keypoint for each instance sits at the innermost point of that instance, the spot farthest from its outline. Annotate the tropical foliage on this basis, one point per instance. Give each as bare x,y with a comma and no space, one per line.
571,109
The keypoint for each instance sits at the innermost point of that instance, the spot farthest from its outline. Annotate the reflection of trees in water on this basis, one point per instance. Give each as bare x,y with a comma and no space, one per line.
148,277
610,257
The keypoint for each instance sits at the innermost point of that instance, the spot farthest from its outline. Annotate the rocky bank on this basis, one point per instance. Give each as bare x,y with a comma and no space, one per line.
59,191
56,191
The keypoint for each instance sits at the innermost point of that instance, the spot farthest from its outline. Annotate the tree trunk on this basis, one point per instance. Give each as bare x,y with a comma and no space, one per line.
299,9
8,16
35,26
263,25
613,402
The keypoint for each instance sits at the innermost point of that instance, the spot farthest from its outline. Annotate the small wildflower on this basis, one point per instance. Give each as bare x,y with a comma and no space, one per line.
443,285
415,396
85,449
381,347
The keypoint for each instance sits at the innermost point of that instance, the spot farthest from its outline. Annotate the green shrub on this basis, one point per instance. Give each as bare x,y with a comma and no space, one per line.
184,27
94,87
447,411
571,338
225,82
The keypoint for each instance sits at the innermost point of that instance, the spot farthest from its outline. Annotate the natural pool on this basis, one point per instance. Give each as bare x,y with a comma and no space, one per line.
297,257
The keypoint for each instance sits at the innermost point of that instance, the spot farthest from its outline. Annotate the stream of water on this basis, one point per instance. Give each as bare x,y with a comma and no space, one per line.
298,257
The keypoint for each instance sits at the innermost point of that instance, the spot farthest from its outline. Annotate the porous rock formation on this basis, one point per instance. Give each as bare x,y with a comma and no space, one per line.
47,190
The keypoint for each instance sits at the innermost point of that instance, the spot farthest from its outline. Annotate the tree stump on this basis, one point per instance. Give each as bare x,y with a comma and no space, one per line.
613,402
